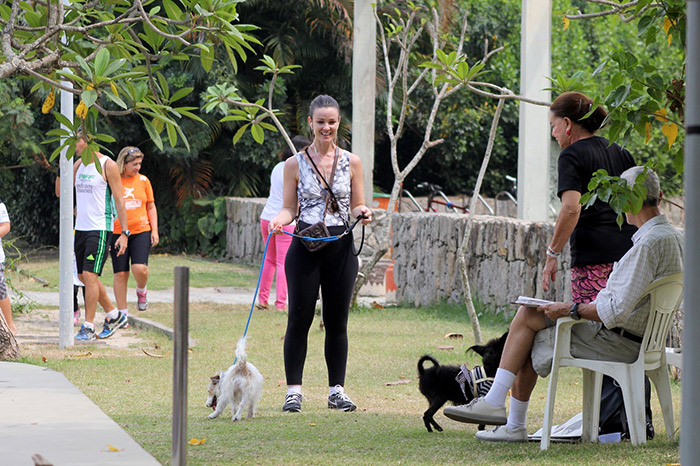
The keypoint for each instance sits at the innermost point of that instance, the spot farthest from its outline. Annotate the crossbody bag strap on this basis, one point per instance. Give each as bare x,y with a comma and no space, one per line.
329,186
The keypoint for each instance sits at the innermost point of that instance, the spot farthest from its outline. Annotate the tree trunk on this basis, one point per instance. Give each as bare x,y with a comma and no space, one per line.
464,244
8,344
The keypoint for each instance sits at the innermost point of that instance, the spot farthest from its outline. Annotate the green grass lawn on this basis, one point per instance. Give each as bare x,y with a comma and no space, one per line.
203,272
385,344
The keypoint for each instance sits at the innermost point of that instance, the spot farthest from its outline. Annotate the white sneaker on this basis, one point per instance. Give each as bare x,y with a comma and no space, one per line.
502,434
477,411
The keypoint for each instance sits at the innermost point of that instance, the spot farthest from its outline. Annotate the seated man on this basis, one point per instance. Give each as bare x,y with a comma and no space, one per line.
614,334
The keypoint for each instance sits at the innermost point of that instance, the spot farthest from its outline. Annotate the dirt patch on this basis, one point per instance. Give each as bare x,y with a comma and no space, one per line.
40,327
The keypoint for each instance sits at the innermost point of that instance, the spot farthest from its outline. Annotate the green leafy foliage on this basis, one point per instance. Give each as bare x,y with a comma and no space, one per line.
615,191
200,227
636,72
119,51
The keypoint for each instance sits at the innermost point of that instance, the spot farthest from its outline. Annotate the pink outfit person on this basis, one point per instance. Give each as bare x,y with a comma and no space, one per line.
279,244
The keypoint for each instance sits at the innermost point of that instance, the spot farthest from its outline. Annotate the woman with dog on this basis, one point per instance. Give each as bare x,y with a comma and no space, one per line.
141,229
325,184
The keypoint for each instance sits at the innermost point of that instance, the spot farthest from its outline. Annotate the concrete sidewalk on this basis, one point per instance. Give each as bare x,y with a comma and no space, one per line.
42,413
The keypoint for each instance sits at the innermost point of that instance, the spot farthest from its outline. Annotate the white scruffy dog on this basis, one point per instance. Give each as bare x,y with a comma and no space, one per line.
239,387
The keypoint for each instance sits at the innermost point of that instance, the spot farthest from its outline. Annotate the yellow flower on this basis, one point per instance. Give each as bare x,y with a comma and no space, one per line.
49,102
81,110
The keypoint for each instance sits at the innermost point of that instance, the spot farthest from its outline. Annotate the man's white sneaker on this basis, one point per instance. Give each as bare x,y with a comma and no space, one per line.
477,411
502,434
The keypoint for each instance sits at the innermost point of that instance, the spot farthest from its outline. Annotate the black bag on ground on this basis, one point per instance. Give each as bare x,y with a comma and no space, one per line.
612,409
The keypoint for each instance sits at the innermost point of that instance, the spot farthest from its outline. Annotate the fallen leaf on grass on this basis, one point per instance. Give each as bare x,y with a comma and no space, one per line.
312,424
111,448
82,355
194,441
398,382
151,354
454,336
43,358
446,347
376,305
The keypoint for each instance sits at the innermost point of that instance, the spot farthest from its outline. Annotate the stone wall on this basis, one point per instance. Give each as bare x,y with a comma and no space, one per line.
507,259
508,255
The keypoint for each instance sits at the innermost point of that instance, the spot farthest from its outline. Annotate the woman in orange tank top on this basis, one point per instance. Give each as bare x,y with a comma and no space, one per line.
142,228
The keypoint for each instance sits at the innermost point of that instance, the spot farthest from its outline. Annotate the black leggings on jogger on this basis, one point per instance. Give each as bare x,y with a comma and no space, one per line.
334,269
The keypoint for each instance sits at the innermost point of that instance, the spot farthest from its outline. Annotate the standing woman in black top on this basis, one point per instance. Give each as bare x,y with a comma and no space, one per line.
595,238
333,269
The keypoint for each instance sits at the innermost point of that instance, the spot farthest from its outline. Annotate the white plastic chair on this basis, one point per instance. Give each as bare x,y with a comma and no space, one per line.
665,296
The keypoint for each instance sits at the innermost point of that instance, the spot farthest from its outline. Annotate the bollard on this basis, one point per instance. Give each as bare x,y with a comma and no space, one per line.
180,339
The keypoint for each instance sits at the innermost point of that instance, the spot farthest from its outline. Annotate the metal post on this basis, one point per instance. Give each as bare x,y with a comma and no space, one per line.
690,421
65,241
180,340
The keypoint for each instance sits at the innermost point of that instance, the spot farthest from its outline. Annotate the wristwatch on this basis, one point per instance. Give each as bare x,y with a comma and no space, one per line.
126,232
573,313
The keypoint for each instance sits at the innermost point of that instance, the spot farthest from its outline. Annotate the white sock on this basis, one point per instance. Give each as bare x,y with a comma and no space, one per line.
124,311
141,290
517,416
89,325
294,389
337,389
113,314
499,390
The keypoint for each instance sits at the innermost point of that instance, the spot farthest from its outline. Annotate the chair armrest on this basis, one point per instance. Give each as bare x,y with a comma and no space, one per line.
562,339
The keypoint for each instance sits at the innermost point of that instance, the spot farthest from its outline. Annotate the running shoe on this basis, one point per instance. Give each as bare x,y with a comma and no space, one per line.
292,403
111,326
142,300
85,334
340,400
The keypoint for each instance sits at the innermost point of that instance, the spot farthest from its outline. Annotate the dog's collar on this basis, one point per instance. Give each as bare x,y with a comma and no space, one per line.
475,381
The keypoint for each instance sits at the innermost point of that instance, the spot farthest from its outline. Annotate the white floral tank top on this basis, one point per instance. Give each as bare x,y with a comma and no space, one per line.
311,191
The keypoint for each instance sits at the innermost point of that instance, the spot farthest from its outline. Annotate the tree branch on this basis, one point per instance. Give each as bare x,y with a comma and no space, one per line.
147,20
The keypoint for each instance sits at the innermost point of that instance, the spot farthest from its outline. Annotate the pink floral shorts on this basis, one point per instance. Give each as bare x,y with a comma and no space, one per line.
588,280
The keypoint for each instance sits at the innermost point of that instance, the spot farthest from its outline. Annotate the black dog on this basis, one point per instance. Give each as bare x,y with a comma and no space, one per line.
439,383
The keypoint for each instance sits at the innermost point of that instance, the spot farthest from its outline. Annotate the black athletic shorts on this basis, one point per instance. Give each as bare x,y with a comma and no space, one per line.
139,246
91,249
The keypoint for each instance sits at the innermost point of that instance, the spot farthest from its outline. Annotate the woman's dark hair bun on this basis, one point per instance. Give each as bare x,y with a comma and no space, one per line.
575,106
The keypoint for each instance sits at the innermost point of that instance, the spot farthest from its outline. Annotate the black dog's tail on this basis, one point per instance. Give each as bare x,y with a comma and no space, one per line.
427,357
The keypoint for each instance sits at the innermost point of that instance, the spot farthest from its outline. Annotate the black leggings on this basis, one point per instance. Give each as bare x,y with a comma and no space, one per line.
334,269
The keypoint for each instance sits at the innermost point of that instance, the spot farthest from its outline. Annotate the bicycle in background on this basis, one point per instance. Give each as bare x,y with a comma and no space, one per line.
511,196
437,199
508,195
